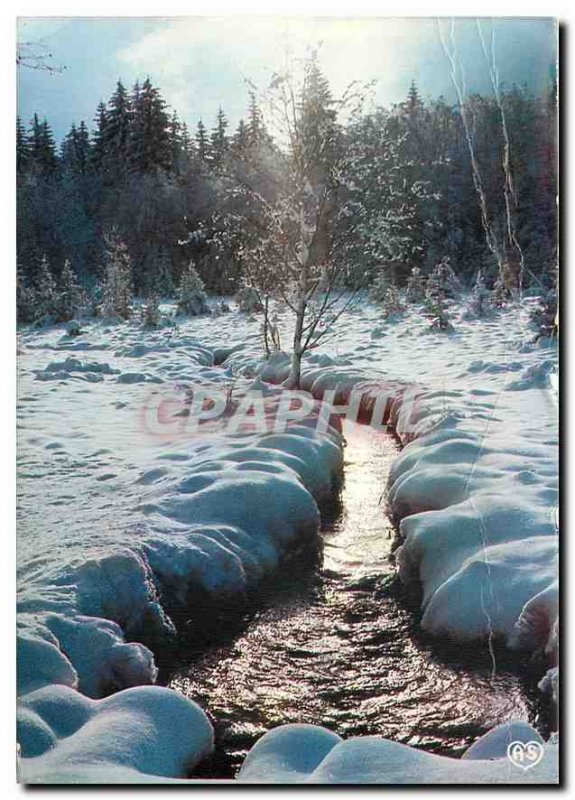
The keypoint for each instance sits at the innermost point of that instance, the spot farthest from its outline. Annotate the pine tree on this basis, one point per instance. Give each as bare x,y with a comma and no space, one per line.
164,282
68,295
23,154
436,300
192,299
83,148
255,127
75,149
202,144
241,140
415,292
149,148
219,141
117,132
42,146
177,159
25,299
44,291
98,150
152,316
49,158
384,291
318,136
187,144
413,101
117,290
444,279
35,137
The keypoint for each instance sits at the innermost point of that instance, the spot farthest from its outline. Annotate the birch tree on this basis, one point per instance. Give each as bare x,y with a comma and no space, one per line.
297,240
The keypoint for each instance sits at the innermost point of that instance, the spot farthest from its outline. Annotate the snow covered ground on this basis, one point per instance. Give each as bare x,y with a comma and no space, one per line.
127,509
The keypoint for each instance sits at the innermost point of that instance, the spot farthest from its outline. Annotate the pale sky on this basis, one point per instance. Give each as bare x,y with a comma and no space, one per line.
201,63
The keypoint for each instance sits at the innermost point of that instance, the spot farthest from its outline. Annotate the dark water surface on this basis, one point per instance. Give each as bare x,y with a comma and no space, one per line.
334,644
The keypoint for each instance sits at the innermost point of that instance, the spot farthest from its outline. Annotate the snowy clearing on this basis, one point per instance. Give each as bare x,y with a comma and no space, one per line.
125,511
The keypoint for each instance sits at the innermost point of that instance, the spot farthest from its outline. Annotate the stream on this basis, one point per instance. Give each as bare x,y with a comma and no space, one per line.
333,642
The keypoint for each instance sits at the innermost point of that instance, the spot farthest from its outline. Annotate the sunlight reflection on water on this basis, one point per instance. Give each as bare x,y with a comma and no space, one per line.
333,646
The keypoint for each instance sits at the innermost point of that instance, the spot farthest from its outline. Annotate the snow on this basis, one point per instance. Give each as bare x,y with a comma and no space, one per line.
309,754
478,473
145,730
127,509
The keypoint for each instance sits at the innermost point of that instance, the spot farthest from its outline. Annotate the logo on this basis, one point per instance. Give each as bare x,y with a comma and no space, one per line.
525,754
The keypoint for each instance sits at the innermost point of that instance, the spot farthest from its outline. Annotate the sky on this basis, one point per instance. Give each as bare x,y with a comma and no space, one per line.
202,63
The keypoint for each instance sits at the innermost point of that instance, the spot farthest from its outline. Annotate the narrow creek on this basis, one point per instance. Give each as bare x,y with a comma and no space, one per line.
333,643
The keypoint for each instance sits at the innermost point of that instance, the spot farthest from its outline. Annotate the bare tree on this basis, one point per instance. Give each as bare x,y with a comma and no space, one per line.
295,247
35,55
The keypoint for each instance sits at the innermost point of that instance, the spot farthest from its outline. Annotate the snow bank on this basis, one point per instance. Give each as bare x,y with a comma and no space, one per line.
467,503
66,737
466,493
102,560
209,515
309,754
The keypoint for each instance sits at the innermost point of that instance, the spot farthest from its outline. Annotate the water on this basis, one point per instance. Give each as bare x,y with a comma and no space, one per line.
334,644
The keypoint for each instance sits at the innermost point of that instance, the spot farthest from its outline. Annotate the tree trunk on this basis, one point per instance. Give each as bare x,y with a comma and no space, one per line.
266,326
293,379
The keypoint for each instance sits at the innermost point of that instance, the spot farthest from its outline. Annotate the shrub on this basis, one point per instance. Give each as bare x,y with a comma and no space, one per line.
480,300
415,292
248,300
500,294
68,297
544,315
117,289
25,301
192,298
436,299
44,292
152,316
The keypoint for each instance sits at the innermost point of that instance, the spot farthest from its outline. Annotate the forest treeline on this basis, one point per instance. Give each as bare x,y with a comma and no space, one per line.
407,194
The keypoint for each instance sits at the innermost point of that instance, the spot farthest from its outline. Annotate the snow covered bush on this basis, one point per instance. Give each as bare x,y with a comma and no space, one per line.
68,297
248,300
117,289
379,287
73,328
392,304
544,315
48,300
444,280
219,308
436,306
164,283
44,292
152,316
479,304
192,298
25,300
385,292
271,335
500,294
415,292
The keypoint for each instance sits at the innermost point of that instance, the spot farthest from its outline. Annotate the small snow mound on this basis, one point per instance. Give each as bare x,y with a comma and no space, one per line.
534,377
308,754
145,730
137,377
